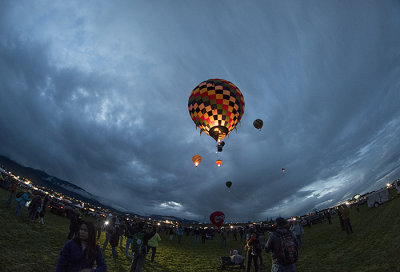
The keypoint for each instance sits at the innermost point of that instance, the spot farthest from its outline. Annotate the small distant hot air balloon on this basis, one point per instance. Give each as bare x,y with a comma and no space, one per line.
258,124
196,159
216,106
218,162
283,170
228,184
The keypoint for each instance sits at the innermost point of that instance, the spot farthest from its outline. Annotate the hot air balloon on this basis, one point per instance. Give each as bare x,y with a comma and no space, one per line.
218,162
283,170
258,124
216,106
196,159
217,218
228,184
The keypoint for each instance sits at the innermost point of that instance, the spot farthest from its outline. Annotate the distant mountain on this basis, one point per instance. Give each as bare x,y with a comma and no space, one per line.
42,179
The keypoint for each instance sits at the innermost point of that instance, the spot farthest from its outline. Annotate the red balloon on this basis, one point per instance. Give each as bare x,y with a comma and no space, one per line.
217,218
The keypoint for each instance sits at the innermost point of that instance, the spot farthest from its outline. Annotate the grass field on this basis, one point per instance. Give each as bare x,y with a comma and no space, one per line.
374,245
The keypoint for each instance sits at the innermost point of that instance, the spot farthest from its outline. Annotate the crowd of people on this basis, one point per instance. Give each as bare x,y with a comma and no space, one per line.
82,253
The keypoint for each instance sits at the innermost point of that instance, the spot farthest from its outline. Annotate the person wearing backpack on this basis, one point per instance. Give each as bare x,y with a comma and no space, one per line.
139,246
283,246
21,201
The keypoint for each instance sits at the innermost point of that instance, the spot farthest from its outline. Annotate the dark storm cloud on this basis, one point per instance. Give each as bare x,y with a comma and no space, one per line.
102,101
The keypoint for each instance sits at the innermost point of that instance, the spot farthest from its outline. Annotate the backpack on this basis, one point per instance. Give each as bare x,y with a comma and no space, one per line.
137,243
19,194
288,251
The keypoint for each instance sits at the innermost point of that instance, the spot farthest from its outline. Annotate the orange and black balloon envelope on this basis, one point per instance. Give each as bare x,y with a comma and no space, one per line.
216,106
218,162
258,124
228,184
196,160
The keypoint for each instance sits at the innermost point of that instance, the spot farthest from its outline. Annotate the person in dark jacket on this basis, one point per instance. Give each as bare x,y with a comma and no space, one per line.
35,204
74,221
274,245
81,253
114,238
253,250
21,201
12,189
140,249
43,208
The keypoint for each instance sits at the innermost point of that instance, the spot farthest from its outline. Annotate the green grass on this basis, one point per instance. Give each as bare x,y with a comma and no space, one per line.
29,246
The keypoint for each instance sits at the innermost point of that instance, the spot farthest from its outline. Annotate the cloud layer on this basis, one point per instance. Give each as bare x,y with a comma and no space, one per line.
96,93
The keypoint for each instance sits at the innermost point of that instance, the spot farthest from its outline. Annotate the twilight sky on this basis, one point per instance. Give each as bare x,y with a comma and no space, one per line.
96,93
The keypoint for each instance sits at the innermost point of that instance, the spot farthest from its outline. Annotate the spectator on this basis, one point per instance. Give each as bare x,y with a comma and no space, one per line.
297,230
196,235
236,258
131,230
33,207
283,245
171,233
80,253
153,243
253,250
21,202
114,237
12,190
43,208
223,238
179,233
140,240
346,219
261,240
110,227
74,222
98,226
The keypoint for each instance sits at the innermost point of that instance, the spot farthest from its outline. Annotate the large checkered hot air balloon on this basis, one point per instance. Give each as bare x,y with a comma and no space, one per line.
216,107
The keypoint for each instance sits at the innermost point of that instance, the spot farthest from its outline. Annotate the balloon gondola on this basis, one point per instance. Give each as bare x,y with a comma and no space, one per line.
216,106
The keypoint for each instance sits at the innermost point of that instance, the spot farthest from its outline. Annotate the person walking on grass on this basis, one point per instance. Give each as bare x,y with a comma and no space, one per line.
21,202
12,191
171,233
81,253
283,246
153,243
98,225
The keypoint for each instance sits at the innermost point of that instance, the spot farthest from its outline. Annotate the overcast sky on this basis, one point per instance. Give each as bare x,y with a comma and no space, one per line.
96,93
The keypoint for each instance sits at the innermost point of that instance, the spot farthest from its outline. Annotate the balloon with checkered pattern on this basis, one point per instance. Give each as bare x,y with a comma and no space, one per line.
216,106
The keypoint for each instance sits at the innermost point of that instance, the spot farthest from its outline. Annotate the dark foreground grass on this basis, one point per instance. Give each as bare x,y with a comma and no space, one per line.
374,245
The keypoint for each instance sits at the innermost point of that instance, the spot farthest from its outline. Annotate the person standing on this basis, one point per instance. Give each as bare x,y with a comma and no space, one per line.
346,219
283,246
261,239
21,202
253,250
74,222
110,227
98,226
82,252
179,233
130,231
196,235
43,208
153,243
33,207
171,233
140,240
223,237
298,231
114,237
12,191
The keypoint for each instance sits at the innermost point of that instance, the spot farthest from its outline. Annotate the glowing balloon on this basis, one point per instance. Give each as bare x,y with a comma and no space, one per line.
258,124
217,218
216,106
218,162
196,159
228,184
